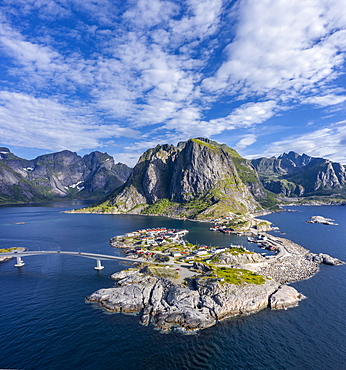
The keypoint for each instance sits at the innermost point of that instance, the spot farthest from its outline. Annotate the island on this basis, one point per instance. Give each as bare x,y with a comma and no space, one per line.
321,220
177,284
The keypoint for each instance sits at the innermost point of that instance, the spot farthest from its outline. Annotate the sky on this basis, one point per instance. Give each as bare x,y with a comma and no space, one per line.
121,76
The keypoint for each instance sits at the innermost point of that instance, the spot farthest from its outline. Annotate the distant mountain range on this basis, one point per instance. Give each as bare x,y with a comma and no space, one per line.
292,174
56,176
198,178
203,179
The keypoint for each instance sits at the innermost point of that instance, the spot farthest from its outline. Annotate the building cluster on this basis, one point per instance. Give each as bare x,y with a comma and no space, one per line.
151,238
157,236
146,242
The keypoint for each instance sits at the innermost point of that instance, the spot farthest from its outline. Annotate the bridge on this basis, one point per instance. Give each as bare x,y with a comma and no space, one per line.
97,257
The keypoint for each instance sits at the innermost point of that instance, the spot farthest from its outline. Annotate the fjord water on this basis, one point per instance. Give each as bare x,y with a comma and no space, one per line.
45,322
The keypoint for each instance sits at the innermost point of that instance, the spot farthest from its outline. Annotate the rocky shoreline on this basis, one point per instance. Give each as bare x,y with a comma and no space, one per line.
197,305
202,299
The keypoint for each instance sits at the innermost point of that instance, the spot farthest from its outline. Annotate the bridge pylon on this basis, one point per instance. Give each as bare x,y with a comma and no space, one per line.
19,263
98,265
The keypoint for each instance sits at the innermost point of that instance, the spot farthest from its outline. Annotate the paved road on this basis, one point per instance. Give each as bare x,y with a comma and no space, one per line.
101,257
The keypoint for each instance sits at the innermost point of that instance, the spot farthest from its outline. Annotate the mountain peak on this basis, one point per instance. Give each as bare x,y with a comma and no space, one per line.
198,178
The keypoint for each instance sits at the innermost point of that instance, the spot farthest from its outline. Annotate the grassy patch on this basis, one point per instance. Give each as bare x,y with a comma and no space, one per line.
6,250
162,272
159,207
105,207
239,224
270,202
238,276
208,145
239,250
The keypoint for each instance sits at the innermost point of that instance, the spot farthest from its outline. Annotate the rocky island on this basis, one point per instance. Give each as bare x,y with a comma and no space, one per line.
178,284
321,220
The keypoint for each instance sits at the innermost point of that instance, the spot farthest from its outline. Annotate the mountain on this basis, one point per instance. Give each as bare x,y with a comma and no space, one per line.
292,174
58,175
198,178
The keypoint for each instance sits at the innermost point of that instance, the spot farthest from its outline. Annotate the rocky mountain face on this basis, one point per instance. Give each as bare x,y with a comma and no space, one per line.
292,174
198,178
58,175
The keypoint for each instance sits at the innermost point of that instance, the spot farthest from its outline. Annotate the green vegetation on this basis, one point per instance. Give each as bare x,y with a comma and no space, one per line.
197,205
230,151
162,272
213,145
239,250
6,250
105,207
270,202
136,207
235,251
232,276
245,170
210,145
239,224
159,207
238,276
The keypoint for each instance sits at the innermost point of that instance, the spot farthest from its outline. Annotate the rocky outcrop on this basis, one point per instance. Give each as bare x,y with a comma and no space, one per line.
198,178
289,269
197,306
235,259
285,297
321,220
58,175
292,174
200,267
324,258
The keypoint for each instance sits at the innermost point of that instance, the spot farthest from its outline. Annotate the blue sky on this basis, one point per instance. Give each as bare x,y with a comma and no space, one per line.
262,76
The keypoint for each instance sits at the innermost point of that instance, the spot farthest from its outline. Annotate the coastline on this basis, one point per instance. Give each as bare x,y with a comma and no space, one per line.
201,301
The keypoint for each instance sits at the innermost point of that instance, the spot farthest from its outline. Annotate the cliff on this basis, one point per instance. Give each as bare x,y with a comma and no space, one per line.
198,178
58,175
292,174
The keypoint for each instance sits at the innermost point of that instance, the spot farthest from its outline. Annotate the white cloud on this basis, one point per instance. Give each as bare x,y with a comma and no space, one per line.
248,114
47,124
283,48
328,142
141,64
246,141
151,13
45,9
201,21
325,100
129,158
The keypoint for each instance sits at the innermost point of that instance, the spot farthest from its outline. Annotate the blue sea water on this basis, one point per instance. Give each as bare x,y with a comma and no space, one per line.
45,322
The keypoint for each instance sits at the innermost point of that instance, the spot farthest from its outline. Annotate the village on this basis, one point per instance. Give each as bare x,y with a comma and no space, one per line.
161,244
